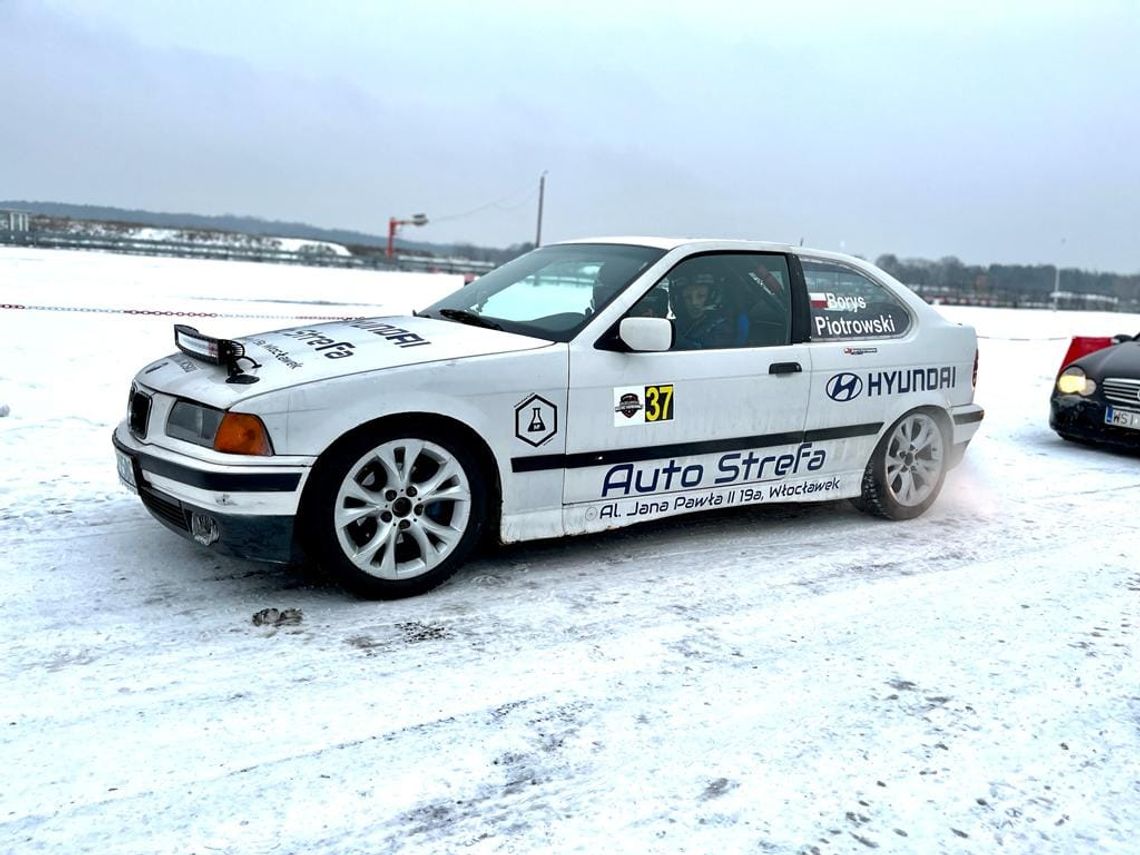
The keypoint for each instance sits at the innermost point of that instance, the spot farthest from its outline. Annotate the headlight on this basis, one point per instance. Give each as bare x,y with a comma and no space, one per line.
193,423
1074,382
233,433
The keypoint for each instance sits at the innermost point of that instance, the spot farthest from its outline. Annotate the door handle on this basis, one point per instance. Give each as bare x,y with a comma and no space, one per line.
784,368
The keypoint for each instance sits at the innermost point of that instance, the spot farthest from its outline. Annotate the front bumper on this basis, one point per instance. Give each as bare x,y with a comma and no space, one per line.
1082,418
240,510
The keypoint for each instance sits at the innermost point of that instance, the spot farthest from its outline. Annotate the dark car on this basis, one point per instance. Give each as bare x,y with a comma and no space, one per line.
1096,397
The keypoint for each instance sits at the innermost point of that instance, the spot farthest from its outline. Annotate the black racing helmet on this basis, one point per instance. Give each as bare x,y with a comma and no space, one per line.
684,280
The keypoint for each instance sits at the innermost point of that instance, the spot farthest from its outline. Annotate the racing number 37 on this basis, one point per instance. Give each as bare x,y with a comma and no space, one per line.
659,403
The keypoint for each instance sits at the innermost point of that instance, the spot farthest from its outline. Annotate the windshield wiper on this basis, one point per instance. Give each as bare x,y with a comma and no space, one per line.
466,317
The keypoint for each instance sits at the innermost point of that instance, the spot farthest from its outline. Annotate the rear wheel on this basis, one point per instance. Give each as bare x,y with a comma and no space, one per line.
906,471
395,513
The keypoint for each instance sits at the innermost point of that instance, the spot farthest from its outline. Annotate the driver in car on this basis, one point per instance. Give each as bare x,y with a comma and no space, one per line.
703,318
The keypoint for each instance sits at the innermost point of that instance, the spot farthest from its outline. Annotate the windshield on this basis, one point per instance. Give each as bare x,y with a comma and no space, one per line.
549,293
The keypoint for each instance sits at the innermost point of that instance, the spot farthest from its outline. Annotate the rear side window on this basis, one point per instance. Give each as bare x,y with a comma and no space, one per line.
845,304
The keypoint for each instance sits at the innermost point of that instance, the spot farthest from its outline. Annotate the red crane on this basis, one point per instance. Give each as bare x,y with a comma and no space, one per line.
394,226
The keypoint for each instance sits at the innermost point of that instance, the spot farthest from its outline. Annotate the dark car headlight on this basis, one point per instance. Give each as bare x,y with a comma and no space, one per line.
193,423
1074,382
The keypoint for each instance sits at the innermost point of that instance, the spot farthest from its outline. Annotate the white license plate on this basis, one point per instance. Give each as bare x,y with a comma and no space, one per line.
1122,418
126,471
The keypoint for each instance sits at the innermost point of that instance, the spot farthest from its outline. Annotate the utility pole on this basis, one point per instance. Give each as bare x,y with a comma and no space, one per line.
1057,279
541,193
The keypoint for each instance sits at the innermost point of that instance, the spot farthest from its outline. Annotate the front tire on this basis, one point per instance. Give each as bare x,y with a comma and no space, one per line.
905,474
394,513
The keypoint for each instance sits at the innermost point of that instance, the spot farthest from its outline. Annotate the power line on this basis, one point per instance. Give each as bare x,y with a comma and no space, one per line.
498,203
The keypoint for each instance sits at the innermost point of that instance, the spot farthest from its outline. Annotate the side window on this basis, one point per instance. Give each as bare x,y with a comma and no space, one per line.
725,300
846,304
655,304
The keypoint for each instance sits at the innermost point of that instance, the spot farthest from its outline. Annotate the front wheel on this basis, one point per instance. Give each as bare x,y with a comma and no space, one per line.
395,514
905,474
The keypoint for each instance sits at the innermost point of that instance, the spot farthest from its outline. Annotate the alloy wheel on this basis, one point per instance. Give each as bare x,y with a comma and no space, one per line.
914,459
402,508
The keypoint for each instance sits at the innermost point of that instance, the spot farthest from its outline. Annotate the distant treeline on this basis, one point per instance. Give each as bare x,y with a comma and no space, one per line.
360,243
1028,283
1013,282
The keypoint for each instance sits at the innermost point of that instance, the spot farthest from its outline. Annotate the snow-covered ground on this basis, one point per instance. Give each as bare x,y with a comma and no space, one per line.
772,679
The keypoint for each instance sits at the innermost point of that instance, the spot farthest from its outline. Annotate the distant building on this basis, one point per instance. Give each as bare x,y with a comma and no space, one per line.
1074,300
14,221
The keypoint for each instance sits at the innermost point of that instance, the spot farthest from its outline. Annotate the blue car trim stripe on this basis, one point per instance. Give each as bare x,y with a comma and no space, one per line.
585,459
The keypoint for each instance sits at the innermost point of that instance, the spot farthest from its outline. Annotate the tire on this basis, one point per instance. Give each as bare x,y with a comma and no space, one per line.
905,474
394,513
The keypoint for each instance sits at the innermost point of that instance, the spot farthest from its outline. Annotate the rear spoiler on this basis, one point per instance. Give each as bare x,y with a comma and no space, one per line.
216,351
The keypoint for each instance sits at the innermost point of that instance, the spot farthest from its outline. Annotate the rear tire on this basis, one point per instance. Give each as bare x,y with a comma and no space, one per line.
905,474
394,513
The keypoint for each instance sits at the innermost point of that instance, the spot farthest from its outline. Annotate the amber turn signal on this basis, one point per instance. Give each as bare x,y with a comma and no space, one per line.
242,433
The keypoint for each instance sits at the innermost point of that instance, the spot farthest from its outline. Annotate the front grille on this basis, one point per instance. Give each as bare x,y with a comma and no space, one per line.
138,413
1122,390
164,508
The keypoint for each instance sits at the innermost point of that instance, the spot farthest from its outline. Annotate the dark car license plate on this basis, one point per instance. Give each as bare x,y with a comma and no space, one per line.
1122,418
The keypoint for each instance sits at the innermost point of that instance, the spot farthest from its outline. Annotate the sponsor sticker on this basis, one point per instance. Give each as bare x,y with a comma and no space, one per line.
187,365
639,405
398,336
733,467
649,507
327,347
847,386
536,420
844,386
280,354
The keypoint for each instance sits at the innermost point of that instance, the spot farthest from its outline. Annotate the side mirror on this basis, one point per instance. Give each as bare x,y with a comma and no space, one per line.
651,335
1123,337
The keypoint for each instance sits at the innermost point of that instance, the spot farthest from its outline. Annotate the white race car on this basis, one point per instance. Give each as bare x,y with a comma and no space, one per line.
584,386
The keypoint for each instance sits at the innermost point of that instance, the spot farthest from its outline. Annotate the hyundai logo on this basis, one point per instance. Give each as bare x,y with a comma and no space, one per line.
844,386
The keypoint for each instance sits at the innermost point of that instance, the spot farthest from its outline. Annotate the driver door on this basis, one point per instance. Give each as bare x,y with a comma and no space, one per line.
650,433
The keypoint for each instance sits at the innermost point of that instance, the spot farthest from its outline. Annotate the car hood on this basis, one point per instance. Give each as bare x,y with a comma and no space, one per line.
306,354
1120,360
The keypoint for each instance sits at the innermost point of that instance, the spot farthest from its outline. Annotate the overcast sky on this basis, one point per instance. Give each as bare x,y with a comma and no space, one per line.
1007,134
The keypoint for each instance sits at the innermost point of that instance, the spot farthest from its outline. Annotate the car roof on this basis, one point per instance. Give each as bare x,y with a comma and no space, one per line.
697,244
